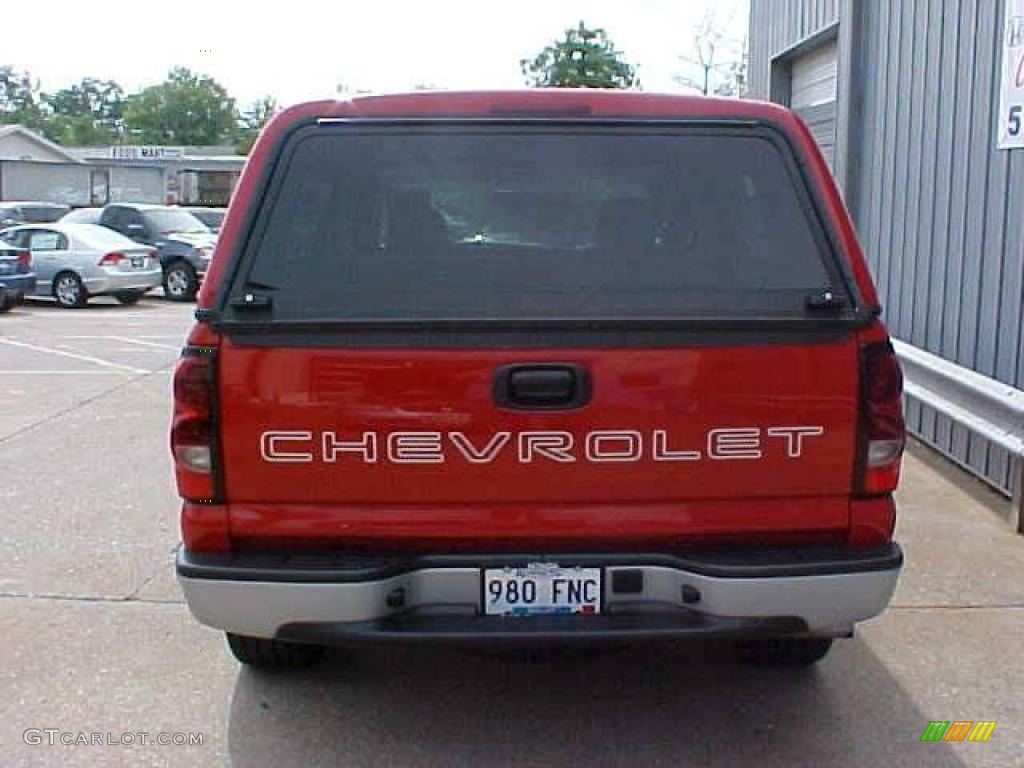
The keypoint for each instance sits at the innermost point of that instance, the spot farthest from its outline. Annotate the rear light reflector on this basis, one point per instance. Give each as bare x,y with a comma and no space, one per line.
882,429
882,452
111,259
198,458
24,260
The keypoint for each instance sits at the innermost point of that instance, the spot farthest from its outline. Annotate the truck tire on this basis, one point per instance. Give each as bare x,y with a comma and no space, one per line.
180,281
273,654
783,651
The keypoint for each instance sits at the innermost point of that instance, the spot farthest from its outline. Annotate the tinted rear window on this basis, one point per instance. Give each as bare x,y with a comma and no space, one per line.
209,218
43,213
173,220
522,224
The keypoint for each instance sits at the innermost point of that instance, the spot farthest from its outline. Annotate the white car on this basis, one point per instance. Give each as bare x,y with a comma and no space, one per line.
74,262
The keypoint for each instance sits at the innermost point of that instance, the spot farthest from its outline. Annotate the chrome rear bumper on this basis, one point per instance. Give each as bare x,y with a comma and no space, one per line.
441,597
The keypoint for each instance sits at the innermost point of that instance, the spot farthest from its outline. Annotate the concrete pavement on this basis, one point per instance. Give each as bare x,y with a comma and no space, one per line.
94,637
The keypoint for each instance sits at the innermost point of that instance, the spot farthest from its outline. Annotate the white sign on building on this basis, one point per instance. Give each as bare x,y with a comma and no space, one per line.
133,152
1011,99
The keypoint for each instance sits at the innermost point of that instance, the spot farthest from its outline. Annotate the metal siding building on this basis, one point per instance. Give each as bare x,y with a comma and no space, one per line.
911,136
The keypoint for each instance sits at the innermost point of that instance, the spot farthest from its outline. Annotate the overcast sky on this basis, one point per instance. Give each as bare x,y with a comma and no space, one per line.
303,49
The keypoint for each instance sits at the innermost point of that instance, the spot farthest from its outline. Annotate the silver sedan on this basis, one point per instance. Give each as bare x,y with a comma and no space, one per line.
74,262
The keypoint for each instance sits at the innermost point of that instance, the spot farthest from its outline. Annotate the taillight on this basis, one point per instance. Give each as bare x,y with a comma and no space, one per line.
193,428
111,259
24,260
882,429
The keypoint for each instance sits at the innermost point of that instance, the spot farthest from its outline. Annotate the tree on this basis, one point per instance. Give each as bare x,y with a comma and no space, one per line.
735,79
187,108
87,114
586,58
19,99
713,53
251,122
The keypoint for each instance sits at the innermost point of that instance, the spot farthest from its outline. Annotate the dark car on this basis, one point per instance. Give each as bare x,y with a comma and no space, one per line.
185,244
16,275
13,213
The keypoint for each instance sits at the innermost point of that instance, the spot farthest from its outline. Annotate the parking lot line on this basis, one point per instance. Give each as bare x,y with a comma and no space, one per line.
62,373
127,340
114,315
74,356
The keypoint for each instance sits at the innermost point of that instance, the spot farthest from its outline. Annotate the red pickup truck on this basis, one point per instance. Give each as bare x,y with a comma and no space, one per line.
534,367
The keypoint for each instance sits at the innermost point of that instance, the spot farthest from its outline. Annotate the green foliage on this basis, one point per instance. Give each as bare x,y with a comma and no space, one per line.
586,58
87,114
77,131
100,99
251,122
187,109
19,99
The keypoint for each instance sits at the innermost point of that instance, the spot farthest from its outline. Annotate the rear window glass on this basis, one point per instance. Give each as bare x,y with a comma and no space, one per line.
208,217
519,225
43,213
168,221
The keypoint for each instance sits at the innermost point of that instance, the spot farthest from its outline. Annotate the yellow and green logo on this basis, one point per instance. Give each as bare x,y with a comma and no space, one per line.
958,730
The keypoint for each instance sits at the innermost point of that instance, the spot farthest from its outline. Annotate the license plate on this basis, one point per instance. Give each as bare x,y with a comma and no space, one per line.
541,588
138,262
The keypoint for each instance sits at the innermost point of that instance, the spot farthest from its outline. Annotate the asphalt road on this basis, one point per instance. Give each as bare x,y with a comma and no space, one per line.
94,637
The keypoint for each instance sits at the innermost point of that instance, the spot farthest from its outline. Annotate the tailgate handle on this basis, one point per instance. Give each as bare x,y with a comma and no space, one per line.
551,386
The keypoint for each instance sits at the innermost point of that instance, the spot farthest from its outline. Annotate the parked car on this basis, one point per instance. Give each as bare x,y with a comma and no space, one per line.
16,275
535,366
82,216
211,217
75,262
14,213
184,243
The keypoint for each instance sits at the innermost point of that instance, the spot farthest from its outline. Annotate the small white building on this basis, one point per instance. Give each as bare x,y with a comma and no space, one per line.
19,143
191,175
34,168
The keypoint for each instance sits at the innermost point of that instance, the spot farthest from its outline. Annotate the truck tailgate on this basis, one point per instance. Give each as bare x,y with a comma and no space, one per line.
667,436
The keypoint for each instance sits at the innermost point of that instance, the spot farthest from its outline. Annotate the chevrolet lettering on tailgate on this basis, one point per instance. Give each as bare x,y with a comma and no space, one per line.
611,445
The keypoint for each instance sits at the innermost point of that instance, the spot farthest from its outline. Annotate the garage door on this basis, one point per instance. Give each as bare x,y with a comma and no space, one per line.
814,78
